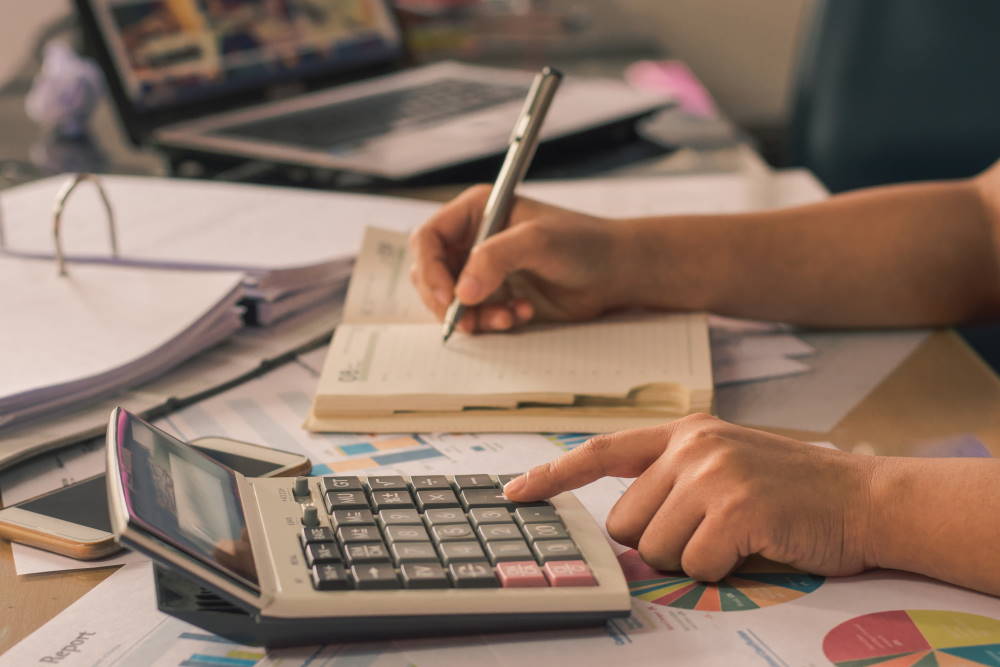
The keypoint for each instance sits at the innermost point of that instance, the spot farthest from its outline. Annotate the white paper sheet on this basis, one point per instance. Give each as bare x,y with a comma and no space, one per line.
66,338
847,366
694,194
28,560
206,224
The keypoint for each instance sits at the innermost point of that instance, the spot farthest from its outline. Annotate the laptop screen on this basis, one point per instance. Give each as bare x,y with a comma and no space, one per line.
169,52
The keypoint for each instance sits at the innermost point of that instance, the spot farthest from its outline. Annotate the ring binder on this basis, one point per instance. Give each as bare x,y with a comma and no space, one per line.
62,197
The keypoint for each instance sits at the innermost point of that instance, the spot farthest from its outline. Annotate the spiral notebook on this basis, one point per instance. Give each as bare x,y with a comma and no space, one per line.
388,371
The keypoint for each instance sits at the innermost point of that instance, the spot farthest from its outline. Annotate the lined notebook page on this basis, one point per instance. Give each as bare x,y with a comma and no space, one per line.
405,366
380,291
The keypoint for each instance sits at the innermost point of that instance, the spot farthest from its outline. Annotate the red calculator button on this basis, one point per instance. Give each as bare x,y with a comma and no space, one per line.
569,573
520,574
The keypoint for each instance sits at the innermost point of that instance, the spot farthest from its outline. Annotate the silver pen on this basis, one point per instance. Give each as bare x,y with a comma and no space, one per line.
523,142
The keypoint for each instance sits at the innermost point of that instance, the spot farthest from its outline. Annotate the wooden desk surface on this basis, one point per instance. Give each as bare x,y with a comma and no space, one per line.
942,389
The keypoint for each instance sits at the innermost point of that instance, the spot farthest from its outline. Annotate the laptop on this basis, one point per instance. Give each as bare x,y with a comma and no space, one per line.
319,83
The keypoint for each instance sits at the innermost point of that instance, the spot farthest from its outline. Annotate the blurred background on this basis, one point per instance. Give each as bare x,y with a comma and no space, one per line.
743,52
859,91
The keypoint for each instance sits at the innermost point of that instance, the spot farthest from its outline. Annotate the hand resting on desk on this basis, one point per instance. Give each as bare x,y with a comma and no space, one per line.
709,493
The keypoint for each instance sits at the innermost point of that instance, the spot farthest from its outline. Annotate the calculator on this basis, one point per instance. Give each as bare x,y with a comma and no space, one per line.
285,562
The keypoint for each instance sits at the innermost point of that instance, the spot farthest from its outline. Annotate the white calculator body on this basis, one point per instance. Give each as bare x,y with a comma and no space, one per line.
282,562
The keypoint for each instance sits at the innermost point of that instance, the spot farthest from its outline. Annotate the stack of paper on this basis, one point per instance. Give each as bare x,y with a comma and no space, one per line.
387,369
296,247
98,329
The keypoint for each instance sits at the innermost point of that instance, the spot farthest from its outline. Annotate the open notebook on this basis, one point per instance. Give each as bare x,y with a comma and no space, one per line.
387,370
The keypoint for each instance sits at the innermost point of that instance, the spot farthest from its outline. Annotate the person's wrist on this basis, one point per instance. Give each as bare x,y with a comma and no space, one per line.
629,247
888,502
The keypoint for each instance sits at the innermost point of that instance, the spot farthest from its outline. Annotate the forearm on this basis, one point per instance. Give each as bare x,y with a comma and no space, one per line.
920,254
938,517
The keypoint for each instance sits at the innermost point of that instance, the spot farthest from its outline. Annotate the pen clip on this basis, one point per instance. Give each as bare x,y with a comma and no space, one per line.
533,101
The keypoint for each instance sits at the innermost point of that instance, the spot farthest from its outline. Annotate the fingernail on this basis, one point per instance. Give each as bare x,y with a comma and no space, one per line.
442,296
523,312
500,321
470,288
514,485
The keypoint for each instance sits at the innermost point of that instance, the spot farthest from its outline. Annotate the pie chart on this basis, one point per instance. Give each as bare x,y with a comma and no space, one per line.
757,583
915,638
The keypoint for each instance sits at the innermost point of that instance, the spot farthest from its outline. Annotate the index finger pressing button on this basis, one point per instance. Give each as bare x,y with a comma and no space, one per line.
485,498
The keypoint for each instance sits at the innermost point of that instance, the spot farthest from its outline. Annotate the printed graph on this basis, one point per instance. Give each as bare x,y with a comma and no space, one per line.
567,441
758,583
378,452
915,638
227,655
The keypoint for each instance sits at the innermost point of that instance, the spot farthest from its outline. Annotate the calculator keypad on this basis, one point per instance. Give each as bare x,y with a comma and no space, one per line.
436,531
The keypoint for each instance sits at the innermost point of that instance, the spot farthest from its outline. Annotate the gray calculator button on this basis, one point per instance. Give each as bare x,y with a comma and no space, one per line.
346,500
435,498
405,517
352,518
348,534
396,499
452,532
485,498
443,516
475,482
535,515
545,531
482,515
408,552
366,553
311,535
374,576
329,577
459,552
424,575
406,534
504,479
508,550
499,531
473,575
322,552
430,482
342,484
549,550
387,483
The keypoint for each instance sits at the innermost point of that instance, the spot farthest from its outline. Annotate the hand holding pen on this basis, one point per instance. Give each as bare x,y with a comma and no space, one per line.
547,263
523,142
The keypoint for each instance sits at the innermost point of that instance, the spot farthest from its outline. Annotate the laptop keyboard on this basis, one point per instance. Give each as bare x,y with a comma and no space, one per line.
345,123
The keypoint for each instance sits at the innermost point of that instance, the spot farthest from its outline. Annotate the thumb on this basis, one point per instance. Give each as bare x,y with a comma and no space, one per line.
622,454
523,246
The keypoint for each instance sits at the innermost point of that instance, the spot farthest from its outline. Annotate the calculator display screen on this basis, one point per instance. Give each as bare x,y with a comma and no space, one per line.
184,497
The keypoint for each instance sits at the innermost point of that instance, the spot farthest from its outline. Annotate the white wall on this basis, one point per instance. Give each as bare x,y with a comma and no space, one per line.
20,21
742,50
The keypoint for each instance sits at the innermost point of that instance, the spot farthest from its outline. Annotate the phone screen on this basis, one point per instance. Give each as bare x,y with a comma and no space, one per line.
86,503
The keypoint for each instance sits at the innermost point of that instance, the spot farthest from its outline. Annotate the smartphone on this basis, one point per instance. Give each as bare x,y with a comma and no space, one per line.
73,521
